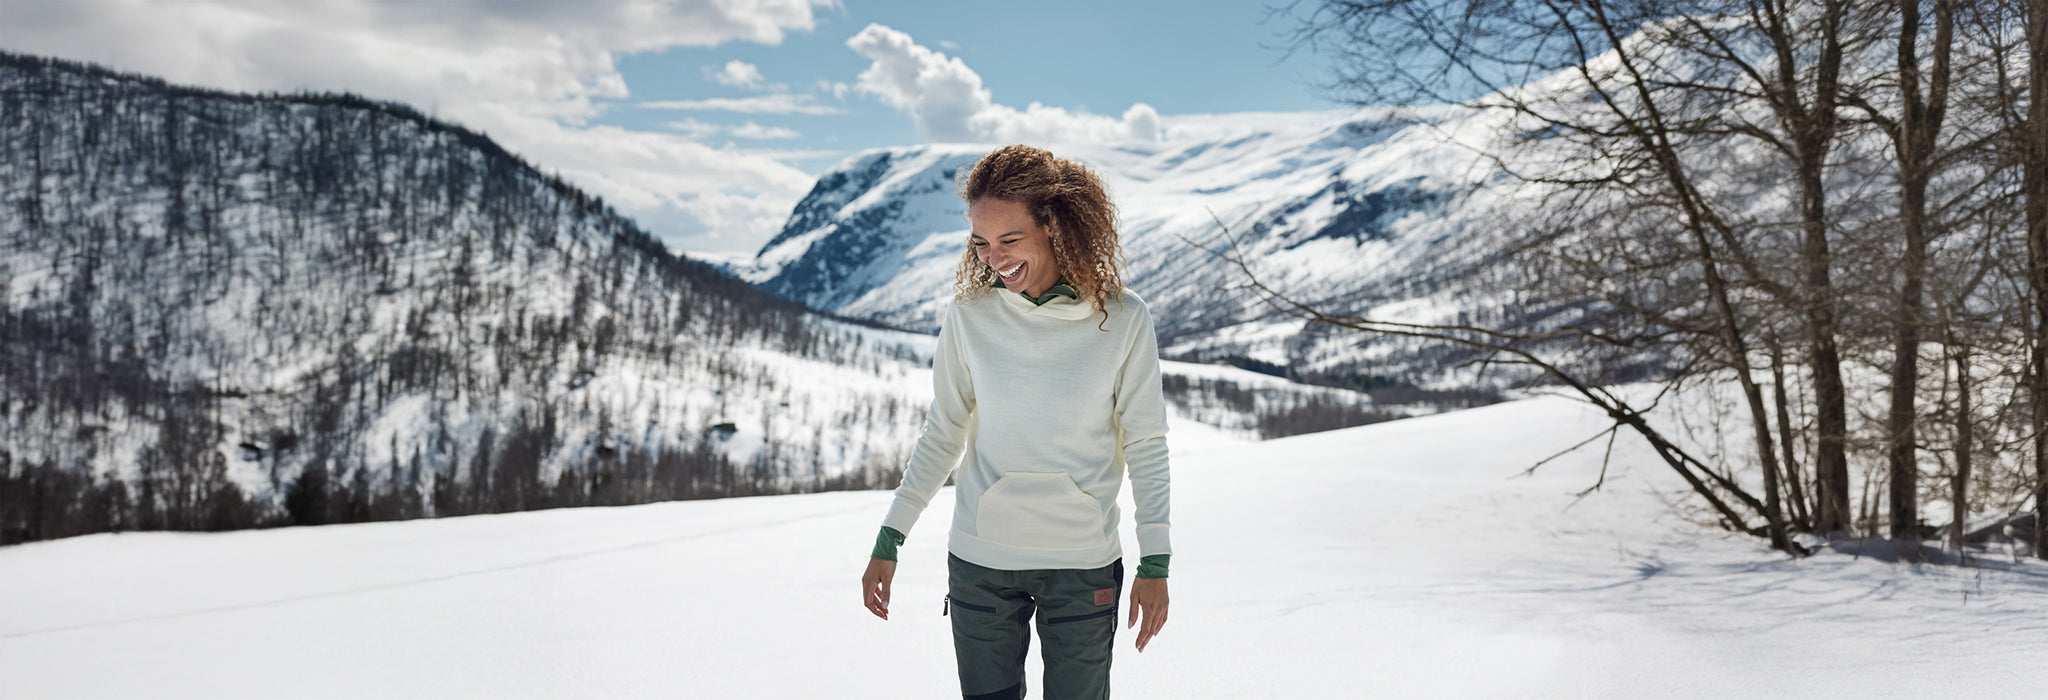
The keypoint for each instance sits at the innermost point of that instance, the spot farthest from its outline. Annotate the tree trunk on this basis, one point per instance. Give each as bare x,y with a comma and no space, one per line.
1738,359
1905,375
1959,484
1794,480
2035,184
1831,462
1806,108
1915,137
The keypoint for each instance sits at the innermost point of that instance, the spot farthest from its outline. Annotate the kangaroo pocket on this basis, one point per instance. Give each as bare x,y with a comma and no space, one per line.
1039,510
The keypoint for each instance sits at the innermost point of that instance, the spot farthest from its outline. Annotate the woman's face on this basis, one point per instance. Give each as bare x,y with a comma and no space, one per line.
1017,248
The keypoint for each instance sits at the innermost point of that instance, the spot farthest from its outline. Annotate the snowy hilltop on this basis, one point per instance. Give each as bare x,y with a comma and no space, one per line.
226,310
1379,213
221,311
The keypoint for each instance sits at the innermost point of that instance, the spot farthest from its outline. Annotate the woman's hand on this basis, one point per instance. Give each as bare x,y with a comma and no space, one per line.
874,586
1148,597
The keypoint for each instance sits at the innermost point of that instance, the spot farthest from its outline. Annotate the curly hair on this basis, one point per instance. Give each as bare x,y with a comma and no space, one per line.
1064,197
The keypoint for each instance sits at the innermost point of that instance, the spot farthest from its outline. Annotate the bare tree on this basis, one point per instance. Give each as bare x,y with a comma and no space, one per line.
1965,437
1648,95
1647,133
2034,144
2024,120
1734,505
1915,135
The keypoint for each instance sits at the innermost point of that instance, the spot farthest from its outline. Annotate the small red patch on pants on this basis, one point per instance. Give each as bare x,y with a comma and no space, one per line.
1105,596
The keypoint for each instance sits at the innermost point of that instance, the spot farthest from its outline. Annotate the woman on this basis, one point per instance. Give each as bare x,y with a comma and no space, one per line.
1046,385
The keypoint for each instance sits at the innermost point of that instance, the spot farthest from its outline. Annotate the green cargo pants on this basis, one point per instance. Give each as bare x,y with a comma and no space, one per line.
991,609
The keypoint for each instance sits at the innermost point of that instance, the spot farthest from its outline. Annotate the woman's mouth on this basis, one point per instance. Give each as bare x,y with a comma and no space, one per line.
1012,273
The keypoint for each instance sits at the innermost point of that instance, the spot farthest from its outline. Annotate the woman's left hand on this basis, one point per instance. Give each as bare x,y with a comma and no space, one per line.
874,586
1148,599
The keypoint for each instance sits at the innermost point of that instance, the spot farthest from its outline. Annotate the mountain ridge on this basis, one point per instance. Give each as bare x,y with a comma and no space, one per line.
1373,214
221,311
228,310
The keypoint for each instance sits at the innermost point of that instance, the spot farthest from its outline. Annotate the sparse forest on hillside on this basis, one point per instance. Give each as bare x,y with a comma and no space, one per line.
221,311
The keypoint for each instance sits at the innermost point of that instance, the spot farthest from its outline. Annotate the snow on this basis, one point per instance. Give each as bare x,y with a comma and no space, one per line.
1402,559
1244,377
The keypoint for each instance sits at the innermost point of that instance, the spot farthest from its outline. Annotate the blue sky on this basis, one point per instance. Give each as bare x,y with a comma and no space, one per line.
1217,56
641,101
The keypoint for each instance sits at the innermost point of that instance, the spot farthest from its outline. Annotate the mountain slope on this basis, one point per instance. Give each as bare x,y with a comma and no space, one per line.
222,310
1377,214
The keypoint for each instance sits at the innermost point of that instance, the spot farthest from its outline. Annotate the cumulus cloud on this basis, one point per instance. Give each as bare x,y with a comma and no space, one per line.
751,130
837,89
698,129
738,74
529,74
648,170
694,128
949,102
778,103
1141,123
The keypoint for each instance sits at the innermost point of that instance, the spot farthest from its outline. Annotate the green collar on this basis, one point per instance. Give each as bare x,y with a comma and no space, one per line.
1058,288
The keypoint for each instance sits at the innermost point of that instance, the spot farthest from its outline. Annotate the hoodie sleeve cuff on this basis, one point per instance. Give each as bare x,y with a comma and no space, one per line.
1153,566
886,543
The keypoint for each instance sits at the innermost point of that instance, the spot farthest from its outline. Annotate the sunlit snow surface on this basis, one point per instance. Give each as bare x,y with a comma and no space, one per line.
1404,559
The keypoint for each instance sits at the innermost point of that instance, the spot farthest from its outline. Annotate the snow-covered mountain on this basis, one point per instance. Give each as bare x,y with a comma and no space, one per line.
1378,214
222,310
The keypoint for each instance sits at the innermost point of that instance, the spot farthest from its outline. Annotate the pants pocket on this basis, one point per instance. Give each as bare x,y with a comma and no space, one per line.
952,602
1039,510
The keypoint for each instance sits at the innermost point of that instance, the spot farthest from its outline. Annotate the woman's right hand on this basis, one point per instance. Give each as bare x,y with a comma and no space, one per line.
874,586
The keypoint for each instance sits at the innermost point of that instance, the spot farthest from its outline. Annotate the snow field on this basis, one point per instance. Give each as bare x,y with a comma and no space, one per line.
1402,559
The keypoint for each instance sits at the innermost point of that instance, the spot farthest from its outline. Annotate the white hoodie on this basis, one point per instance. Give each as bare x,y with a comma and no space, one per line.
1042,406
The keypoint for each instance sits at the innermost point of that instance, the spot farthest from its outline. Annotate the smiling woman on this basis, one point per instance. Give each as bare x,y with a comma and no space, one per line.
1021,254
1051,214
1044,412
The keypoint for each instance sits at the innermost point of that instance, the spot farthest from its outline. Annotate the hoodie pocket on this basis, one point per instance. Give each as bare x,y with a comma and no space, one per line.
1039,510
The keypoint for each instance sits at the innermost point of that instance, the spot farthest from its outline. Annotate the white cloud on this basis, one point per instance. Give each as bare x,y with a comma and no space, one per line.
529,74
738,74
949,102
778,103
734,195
1141,123
837,89
698,129
693,128
751,130
799,154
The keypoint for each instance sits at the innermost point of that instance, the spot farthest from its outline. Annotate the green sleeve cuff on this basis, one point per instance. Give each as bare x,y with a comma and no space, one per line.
886,543
1153,566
